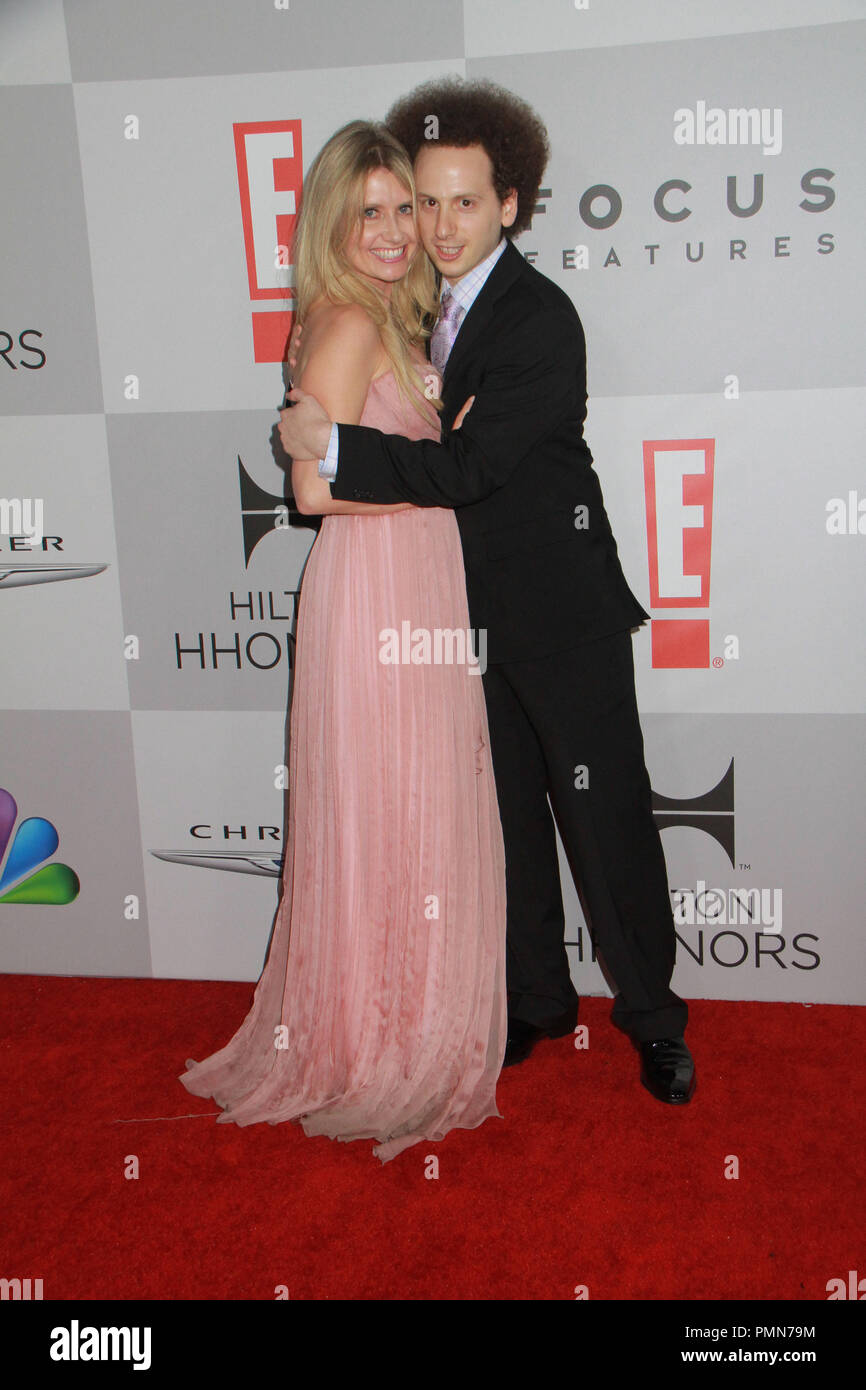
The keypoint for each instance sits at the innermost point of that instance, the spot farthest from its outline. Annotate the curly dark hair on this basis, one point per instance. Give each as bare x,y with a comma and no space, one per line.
479,113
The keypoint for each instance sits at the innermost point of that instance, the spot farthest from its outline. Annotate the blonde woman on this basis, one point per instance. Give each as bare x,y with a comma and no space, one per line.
381,1010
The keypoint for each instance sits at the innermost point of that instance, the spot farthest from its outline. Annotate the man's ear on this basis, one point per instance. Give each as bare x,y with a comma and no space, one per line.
509,207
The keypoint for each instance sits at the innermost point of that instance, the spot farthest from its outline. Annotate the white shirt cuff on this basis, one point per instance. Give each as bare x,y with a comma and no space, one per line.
328,465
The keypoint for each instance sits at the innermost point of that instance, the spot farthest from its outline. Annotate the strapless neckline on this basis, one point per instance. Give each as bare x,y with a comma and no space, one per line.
386,409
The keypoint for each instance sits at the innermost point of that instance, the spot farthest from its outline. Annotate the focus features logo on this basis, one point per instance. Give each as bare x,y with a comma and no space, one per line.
601,206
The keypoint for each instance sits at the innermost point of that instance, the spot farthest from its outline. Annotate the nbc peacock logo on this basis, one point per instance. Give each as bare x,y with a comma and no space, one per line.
27,876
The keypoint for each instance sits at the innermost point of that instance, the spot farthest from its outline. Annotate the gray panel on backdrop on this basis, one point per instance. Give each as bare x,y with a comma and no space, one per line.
51,362
783,920
75,769
209,580
111,39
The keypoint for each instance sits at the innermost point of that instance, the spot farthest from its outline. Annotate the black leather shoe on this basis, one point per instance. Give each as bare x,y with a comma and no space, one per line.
522,1037
668,1070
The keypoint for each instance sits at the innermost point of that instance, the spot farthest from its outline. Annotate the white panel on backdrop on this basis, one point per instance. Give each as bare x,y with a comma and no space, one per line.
33,42
61,621
690,263
781,584
207,790
512,26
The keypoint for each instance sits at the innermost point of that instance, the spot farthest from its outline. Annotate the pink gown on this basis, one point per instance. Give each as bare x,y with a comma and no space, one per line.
381,1009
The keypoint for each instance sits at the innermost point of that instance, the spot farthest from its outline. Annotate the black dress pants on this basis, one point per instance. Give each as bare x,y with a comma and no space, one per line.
566,726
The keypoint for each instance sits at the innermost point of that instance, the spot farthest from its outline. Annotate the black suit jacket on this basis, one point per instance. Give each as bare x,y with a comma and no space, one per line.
515,472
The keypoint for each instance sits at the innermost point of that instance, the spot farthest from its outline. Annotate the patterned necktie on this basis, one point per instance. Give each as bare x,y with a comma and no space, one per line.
442,338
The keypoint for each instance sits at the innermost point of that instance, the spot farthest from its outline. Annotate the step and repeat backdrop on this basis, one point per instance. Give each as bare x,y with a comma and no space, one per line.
704,209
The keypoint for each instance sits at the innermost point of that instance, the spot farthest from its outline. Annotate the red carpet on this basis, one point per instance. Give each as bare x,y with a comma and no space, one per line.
587,1180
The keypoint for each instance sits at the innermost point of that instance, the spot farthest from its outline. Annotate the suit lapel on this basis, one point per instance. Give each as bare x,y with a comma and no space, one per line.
498,282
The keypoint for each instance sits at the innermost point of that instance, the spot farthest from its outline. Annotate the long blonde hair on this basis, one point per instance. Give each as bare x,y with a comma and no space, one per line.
332,204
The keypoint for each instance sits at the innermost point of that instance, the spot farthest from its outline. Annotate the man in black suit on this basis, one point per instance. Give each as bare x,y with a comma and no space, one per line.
542,573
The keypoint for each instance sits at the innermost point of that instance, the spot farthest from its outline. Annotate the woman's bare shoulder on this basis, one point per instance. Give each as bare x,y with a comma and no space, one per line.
339,331
351,320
